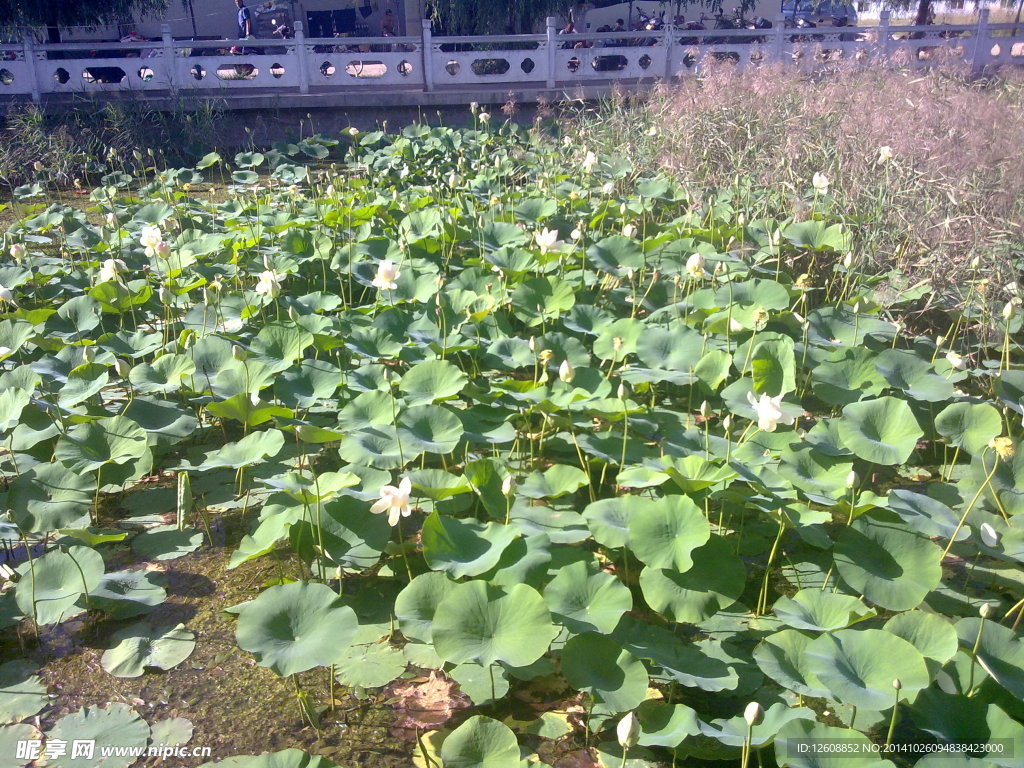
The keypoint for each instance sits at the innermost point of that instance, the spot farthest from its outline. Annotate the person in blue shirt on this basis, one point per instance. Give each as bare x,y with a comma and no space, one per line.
244,20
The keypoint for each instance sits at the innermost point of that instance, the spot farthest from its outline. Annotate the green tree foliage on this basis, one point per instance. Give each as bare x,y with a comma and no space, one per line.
54,14
478,17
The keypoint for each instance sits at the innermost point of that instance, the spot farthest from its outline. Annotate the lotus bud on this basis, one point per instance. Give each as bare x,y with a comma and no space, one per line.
976,262
621,391
989,535
1009,311
238,353
165,295
727,422
848,260
353,131
566,372
820,183
532,344
18,252
122,368
628,730
704,409
852,481
507,486
163,249
330,191
622,209
753,714
897,684
608,188
38,166
88,354
986,610
940,342
856,308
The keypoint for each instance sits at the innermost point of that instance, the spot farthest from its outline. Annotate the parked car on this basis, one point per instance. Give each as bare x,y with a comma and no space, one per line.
823,13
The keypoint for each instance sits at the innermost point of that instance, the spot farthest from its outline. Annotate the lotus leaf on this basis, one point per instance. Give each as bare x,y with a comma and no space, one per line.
142,645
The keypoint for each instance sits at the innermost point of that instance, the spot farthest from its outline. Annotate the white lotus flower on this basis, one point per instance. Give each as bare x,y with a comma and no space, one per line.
955,360
485,118
589,162
608,188
353,131
989,535
18,251
820,183
885,154
6,296
547,239
629,230
769,411
628,730
566,372
387,274
269,283
695,266
395,501
150,238
110,269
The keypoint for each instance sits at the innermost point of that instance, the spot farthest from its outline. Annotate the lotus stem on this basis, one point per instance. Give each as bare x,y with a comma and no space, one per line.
967,510
745,753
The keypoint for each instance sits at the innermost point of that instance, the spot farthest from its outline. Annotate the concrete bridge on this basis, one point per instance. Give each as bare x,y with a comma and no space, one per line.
430,71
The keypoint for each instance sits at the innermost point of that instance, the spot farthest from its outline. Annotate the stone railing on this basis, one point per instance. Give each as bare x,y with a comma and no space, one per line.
429,63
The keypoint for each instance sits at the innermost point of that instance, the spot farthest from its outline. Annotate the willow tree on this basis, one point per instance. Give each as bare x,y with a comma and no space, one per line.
481,17
54,14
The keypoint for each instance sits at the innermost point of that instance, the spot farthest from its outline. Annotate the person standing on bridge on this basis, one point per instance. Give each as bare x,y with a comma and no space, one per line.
244,20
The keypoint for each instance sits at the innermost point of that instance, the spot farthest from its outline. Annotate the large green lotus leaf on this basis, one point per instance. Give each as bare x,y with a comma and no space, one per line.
1009,387
665,725
142,645
683,661
615,255
288,758
374,343
1001,652
432,380
713,368
677,348
350,534
249,410
308,383
50,496
482,684
377,447
970,426
484,623
846,376
117,725
429,429
22,693
464,547
773,367
527,561
664,532
782,657
128,593
715,581
930,633
764,293
882,431
618,339
599,665
926,515
821,611
733,732
172,732
367,409
417,603
500,234
369,666
294,627
278,345
82,383
249,450
542,299
480,742
890,565
56,581
587,600
166,423
695,473
858,667
906,371
820,476
555,481
115,440
958,719
164,375
167,542
608,519
10,738
559,522
791,747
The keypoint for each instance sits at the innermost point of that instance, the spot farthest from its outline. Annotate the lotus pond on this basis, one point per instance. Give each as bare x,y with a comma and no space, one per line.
473,449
